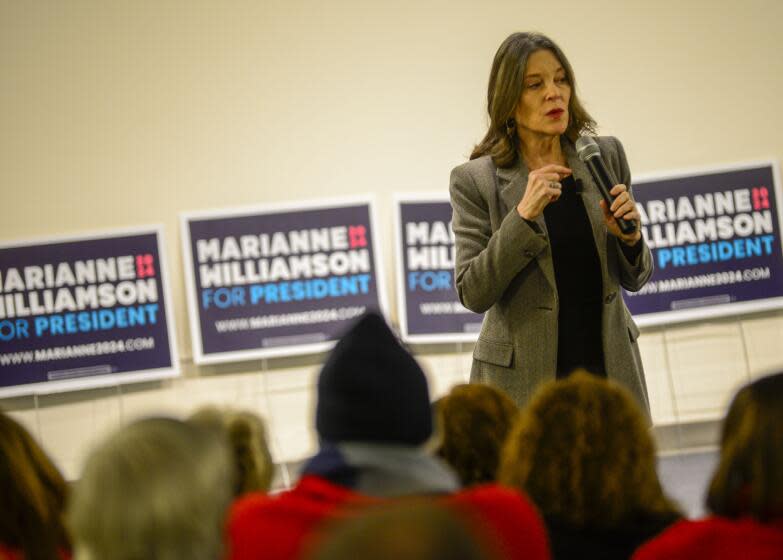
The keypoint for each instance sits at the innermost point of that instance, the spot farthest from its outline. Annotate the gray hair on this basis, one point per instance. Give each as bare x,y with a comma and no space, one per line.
158,488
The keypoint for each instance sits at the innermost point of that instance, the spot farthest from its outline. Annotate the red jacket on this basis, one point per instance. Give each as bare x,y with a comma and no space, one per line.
278,527
10,554
716,538
13,554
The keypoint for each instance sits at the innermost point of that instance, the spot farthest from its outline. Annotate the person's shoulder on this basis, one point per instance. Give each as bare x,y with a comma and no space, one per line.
498,502
671,543
310,492
483,162
275,525
614,155
249,507
507,515
687,538
478,171
475,167
492,494
609,145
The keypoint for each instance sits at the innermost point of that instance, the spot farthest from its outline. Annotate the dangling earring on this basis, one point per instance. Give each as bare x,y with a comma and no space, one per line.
510,125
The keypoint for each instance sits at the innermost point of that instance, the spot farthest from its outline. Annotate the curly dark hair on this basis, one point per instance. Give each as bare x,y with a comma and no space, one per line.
505,90
749,476
474,421
583,453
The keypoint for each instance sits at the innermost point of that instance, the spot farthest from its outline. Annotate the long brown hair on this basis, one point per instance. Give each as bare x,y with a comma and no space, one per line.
505,90
749,476
473,421
33,496
582,451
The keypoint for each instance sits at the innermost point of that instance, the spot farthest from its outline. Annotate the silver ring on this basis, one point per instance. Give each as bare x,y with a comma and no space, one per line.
555,185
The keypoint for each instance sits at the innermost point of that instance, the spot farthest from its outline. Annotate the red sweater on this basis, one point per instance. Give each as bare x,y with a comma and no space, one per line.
716,538
9,554
13,554
278,527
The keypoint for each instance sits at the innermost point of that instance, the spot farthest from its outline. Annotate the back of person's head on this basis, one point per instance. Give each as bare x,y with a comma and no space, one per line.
247,436
157,488
411,530
473,422
582,451
32,496
749,478
372,390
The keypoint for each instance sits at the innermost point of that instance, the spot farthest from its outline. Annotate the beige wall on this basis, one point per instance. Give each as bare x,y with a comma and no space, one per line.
124,113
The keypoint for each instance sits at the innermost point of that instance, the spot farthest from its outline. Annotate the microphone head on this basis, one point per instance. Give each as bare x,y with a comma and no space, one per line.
587,147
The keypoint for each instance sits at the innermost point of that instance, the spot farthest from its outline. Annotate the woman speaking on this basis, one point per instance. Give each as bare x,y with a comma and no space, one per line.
537,248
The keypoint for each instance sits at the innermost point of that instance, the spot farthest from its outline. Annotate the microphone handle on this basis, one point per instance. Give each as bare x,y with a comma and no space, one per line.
605,181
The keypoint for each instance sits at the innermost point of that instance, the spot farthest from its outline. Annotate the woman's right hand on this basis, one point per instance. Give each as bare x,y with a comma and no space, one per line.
543,187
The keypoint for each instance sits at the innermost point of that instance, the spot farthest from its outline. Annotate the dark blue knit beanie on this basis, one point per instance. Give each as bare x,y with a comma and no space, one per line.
372,390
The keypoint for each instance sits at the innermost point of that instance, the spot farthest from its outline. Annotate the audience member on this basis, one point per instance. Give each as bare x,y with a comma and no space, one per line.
472,424
246,434
583,453
33,495
158,488
410,530
746,492
373,416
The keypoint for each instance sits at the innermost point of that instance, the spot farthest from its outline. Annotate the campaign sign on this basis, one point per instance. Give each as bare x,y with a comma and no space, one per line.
429,308
84,312
277,281
715,242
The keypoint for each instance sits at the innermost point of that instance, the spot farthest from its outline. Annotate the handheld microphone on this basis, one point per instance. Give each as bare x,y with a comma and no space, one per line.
588,151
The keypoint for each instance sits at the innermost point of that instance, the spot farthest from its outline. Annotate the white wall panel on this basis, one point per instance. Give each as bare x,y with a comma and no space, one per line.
117,114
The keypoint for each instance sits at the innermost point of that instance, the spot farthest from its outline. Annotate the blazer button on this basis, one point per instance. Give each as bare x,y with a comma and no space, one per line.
610,297
529,254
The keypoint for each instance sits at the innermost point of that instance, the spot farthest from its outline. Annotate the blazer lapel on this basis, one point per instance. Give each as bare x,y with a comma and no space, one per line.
512,182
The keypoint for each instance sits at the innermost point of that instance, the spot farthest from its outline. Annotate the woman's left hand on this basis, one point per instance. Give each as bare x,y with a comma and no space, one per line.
623,207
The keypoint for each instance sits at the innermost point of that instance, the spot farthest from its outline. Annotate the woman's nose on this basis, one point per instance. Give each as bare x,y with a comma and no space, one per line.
552,91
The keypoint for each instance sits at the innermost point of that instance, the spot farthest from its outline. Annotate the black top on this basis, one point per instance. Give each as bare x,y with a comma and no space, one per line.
603,543
579,282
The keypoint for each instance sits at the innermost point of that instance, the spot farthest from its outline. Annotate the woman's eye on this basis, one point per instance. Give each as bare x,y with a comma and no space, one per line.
534,85
562,80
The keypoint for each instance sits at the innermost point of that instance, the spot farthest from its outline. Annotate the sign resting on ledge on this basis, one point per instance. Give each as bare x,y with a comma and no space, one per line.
428,306
715,239
83,312
279,280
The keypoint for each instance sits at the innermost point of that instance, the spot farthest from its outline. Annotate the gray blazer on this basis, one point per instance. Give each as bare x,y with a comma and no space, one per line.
504,268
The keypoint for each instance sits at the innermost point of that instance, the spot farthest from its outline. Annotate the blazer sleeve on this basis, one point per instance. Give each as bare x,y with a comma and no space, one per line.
486,261
633,274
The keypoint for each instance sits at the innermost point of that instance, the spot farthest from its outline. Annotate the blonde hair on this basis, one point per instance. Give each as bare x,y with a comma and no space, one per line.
582,451
158,488
247,436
